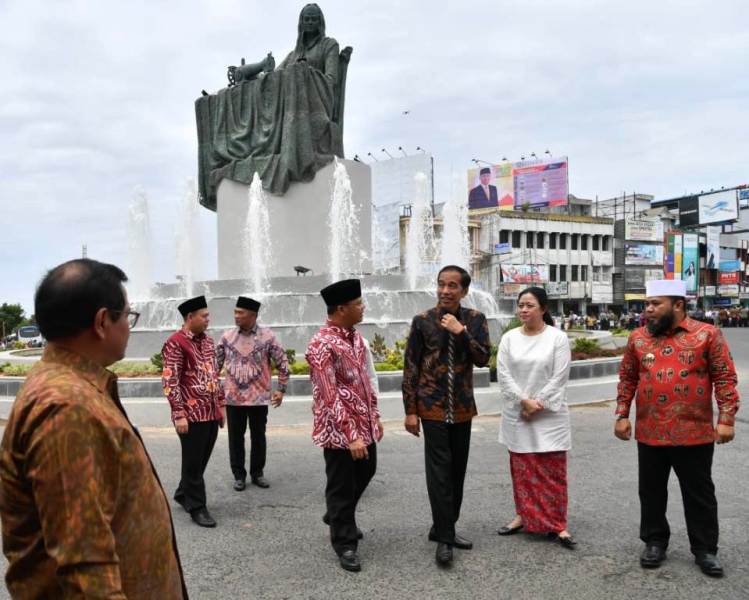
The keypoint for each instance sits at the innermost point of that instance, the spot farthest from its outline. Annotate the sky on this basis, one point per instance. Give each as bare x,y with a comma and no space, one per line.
97,102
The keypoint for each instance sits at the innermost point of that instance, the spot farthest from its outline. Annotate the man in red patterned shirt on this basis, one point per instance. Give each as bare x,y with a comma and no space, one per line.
191,384
346,418
673,366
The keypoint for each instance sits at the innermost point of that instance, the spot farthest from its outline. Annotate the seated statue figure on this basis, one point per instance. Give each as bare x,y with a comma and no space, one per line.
284,123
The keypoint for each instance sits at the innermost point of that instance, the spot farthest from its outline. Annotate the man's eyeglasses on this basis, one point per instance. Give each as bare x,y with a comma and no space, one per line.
132,316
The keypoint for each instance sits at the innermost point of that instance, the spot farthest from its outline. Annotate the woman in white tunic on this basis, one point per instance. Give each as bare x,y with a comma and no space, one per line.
533,365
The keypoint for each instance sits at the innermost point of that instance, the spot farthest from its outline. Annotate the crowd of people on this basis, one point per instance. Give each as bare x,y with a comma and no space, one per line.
735,316
83,510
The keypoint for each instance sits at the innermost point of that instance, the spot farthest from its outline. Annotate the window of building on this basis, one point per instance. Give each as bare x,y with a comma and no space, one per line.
575,243
597,274
584,242
504,236
553,241
605,243
516,239
596,241
562,272
562,243
552,272
539,240
584,273
529,235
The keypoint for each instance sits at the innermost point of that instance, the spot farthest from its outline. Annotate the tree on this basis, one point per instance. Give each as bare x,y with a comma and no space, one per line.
11,316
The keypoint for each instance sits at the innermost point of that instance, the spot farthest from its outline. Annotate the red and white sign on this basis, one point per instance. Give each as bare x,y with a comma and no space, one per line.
731,278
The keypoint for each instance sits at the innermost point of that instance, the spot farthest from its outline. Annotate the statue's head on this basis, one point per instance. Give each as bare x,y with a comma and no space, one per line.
311,20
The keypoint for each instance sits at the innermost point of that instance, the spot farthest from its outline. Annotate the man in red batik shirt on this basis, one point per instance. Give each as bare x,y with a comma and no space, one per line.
191,384
673,365
346,418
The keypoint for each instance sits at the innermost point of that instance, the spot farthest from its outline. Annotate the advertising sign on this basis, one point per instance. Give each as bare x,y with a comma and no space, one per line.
603,293
541,184
634,279
557,288
634,296
728,291
713,247
722,302
689,211
503,248
511,290
508,185
643,230
525,273
691,262
730,265
718,207
728,278
643,254
710,290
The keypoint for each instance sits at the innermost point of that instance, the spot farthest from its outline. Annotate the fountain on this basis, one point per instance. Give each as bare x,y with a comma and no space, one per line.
256,242
343,223
139,247
187,241
455,245
420,247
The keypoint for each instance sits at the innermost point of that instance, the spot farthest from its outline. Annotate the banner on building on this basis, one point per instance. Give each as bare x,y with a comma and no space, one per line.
511,290
728,291
525,273
691,262
730,265
556,289
731,278
603,293
635,279
503,248
710,290
643,230
633,296
643,254
672,264
712,259
509,185
719,207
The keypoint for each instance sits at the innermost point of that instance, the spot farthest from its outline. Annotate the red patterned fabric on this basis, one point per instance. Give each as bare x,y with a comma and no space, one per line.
343,402
673,377
539,484
190,377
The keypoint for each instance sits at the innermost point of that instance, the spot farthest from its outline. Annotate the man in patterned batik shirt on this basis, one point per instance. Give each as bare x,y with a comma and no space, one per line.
83,512
191,384
672,367
443,346
247,352
346,418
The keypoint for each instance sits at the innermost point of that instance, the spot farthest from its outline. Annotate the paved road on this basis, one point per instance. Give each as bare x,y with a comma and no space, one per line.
271,543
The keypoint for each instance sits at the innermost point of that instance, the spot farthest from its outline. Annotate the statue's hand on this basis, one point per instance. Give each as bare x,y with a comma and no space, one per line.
231,75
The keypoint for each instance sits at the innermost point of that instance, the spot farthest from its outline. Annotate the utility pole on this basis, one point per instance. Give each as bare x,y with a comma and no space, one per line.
84,251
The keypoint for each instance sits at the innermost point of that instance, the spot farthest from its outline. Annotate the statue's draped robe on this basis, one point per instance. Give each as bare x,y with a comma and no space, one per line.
280,125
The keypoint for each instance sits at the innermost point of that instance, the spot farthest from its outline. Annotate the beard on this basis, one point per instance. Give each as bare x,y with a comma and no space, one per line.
662,325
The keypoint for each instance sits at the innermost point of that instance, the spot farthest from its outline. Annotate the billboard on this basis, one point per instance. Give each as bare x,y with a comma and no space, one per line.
635,278
731,278
730,265
643,254
719,207
603,293
525,273
511,290
690,262
643,230
557,288
672,262
509,185
728,291
712,259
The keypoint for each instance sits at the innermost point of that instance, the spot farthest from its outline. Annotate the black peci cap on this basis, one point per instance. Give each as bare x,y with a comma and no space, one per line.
248,304
341,292
192,305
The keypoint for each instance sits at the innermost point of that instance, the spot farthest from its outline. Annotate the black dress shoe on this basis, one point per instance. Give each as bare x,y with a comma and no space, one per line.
260,482
506,530
239,485
202,517
359,533
567,541
652,557
444,554
709,564
458,542
350,560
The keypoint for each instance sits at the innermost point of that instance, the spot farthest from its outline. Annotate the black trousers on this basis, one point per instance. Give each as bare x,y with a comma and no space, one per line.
237,418
692,465
347,480
197,445
446,458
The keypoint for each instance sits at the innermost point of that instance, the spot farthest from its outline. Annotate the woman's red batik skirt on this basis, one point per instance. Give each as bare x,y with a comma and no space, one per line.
539,484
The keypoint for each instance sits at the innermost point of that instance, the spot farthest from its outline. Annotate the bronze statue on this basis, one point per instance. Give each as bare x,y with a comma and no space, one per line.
284,123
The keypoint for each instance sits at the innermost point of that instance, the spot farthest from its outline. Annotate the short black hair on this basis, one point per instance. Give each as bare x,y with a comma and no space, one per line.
465,278
70,295
675,299
332,309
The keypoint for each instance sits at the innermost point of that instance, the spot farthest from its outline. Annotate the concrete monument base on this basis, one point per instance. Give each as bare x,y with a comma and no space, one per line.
299,226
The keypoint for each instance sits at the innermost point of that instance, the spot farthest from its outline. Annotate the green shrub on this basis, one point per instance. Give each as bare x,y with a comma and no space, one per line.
378,347
585,345
384,367
513,324
157,360
299,368
291,355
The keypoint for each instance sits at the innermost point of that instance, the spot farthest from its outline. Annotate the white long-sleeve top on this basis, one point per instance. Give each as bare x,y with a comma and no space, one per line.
534,366
371,371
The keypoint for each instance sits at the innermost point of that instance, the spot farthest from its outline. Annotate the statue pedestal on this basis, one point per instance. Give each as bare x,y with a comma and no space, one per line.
299,227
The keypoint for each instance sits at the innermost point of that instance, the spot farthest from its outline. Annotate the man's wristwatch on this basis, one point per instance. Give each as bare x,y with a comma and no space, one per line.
281,388
620,417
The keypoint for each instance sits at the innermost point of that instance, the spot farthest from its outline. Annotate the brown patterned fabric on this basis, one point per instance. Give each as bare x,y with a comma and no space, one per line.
83,511
427,376
673,377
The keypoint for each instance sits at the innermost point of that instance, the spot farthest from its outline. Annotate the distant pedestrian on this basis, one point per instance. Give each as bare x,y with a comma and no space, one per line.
672,368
